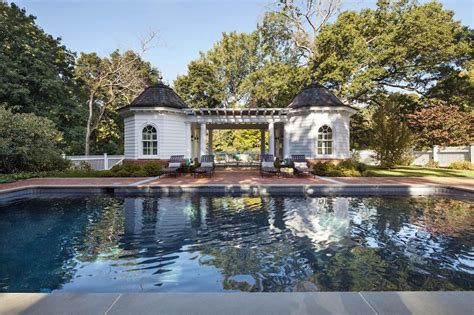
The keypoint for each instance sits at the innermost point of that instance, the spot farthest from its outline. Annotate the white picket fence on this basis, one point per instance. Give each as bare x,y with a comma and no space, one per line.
97,162
443,155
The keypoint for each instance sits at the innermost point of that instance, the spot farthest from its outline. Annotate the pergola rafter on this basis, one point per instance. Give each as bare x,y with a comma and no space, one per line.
237,115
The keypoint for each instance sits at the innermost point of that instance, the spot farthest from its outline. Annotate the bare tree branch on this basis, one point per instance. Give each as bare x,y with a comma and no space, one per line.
308,18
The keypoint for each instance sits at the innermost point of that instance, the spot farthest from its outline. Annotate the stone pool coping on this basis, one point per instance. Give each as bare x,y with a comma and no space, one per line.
420,302
34,191
145,187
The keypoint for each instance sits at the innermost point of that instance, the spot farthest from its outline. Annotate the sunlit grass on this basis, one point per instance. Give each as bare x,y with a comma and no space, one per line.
413,171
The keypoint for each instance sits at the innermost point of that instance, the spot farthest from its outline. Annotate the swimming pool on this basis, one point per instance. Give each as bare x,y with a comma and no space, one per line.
196,243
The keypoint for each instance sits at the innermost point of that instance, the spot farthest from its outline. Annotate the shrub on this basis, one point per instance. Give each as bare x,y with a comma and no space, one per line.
432,164
334,173
348,168
462,165
352,165
83,166
131,167
348,164
107,173
29,143
121,173
361,167
152,169
321,169
139,173
277,163
349,172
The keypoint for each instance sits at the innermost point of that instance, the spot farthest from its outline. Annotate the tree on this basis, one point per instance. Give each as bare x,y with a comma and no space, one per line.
37,74
441,124
200,87
28,143
456,87
258,69
391,137
400,45
305,19
109,83
215,79
361,132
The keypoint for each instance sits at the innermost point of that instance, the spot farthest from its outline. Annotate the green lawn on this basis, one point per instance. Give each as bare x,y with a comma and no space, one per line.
413,171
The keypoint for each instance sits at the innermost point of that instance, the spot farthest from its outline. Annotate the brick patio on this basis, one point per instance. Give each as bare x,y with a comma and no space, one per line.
239,177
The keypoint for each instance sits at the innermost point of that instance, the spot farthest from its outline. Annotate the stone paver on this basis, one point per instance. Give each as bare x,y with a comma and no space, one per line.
61,303
72,181
243,303
17,303
429,303
366,303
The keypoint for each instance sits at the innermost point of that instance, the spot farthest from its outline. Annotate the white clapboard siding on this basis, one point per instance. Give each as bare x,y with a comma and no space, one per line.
130,141
303,134
171,130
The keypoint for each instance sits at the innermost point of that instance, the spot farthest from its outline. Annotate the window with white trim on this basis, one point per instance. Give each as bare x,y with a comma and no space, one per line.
325,140
150,140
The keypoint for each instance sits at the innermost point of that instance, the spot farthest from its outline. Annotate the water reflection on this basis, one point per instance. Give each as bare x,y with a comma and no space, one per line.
211,243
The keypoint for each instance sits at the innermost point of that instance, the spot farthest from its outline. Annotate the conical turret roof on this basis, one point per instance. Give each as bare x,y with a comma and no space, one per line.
159,95
315,95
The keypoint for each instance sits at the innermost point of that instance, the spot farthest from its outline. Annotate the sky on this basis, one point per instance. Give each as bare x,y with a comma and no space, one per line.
183,27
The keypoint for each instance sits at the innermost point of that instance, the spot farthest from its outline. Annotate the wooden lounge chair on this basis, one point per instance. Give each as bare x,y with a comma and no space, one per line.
174,165
207,166
267,167
300,165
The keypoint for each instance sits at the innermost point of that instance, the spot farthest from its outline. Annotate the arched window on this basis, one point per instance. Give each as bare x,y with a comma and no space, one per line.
325,140
150,140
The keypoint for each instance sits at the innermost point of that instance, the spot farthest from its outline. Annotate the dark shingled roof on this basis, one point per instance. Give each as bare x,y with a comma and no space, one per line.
159,95
315,95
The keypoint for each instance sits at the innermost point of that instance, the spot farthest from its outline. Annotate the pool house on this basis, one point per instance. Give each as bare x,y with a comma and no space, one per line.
158,124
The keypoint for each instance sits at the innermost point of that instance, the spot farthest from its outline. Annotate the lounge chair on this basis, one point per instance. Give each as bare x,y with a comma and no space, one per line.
267,167
174,165
300,165
207,166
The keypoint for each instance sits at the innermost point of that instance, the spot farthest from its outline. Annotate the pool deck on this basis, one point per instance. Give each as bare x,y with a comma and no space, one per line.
237,177
364,303
240,181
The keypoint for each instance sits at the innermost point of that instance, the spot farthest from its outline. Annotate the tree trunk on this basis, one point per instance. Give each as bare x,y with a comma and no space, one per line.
89,125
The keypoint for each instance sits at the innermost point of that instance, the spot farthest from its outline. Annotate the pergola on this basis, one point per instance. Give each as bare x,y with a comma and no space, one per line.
205,120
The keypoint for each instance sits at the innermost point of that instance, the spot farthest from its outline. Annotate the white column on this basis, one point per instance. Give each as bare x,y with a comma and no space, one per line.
262,142
202,141
435,153
188,142
209,144
471,153
106,162
286,141
271,138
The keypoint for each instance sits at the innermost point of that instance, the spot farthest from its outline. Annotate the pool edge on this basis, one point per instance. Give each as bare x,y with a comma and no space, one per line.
33,191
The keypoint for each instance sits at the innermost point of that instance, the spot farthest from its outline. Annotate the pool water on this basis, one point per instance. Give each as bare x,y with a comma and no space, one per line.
193,243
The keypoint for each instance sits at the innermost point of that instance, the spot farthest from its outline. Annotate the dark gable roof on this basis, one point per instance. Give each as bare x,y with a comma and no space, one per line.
159,95
315,95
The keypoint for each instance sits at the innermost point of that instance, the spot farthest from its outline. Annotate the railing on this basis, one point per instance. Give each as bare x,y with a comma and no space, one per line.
237,159
97,162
